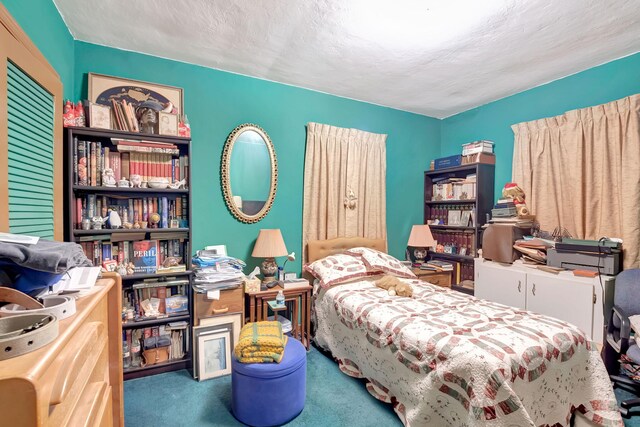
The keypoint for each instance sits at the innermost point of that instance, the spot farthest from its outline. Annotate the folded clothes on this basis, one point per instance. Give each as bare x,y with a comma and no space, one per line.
46,255
261,342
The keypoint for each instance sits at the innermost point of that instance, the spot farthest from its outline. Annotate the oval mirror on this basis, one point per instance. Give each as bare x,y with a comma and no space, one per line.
249,173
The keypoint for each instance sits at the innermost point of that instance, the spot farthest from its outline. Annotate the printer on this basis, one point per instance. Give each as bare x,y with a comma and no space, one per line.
603,256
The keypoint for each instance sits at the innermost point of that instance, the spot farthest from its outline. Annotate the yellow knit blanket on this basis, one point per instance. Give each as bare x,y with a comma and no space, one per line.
261,342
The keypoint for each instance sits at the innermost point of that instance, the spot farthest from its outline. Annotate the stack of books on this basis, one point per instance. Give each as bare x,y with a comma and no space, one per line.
505,212
437,265
475,147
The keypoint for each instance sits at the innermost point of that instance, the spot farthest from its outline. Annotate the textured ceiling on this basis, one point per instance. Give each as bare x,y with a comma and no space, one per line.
434,57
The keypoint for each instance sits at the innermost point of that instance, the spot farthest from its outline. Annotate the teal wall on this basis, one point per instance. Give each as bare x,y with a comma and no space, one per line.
44,26
216,102
493,121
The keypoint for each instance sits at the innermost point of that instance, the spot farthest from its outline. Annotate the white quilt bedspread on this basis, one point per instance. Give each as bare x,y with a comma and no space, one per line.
443,358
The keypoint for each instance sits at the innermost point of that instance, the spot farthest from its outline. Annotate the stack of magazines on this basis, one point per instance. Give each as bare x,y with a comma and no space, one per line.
217,272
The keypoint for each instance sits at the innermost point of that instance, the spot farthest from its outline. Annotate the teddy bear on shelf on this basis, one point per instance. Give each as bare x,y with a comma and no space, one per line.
514,192
394,286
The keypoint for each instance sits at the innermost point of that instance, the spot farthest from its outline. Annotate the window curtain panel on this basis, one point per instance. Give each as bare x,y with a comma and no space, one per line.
581,171
344,184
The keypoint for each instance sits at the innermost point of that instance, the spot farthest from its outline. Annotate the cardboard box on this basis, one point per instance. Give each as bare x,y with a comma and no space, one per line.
486,158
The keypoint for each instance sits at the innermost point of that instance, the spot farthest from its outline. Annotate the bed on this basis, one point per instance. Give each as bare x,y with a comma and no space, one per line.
443,358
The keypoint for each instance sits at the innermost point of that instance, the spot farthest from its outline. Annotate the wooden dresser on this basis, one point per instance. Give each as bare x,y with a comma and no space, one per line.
76,380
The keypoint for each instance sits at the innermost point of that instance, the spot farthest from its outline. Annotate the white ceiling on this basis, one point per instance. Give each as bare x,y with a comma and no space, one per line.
433,57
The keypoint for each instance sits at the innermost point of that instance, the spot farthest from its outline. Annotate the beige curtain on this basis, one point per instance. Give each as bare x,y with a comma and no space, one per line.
344,184
581,171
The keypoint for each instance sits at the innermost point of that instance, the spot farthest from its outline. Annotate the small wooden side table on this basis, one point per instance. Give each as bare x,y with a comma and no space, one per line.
440,278
258,308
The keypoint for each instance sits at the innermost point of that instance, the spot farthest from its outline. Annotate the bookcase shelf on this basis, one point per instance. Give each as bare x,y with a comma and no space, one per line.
481,204
170,365
112,190
159,276
112,133
131,230
138,203
136,324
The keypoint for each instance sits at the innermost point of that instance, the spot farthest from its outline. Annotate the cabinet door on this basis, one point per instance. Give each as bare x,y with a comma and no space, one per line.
563,299
502,285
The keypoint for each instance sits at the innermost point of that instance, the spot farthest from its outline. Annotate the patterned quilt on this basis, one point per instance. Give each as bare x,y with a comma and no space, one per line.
443,358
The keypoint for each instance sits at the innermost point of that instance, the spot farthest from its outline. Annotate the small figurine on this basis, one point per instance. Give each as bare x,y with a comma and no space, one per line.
127,225
136,225
124,182
122,269
171,261
178,184
97,222
154,219
113,219
108,178
136,181
130,269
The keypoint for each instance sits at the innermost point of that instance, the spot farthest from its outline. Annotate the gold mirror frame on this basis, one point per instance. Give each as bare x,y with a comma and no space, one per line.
225,173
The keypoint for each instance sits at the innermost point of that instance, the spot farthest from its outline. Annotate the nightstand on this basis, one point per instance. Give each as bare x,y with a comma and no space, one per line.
440,278
299,298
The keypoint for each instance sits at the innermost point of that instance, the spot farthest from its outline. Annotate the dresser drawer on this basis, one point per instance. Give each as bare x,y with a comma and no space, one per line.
231,301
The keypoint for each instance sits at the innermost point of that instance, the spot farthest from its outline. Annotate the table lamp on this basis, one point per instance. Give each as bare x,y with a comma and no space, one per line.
420,239
269,245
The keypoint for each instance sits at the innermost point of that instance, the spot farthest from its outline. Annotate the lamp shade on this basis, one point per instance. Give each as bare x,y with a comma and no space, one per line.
421,237
269,244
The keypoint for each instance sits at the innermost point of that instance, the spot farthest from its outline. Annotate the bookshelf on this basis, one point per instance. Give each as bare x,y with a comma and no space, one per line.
135,205
479,199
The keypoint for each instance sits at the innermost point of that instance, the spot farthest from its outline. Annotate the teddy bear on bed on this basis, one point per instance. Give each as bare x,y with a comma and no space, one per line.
395,286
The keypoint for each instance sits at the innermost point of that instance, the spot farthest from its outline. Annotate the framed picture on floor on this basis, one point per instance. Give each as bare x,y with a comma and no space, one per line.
230,324
214,354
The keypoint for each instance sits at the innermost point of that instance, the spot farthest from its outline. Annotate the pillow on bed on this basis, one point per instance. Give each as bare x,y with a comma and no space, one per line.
339,268
376,260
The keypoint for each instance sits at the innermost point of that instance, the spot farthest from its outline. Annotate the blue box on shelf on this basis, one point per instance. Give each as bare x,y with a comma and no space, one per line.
448,162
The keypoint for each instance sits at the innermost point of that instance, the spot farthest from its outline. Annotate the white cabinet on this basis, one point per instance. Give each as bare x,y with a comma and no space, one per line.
508,289
577,300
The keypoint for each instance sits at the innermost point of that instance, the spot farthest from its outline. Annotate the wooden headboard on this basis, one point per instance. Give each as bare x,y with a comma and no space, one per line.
317,249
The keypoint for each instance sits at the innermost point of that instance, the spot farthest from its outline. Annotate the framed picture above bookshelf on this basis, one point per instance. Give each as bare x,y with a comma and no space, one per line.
127,203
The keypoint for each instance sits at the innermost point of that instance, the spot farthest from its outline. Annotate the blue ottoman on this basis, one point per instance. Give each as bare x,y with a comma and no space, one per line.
270,394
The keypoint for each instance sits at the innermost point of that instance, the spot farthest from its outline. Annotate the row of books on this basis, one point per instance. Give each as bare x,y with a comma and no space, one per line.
134,209
147,256
459,215
124,116
151,300
177,334
462,270
455,242
91,158
452,188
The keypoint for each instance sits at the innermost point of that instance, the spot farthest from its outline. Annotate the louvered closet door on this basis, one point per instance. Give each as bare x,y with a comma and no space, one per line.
30,152
30,137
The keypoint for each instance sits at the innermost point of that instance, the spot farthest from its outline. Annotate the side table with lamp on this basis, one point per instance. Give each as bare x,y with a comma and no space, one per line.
420,239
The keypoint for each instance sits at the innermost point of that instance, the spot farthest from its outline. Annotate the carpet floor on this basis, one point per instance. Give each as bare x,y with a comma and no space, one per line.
333,399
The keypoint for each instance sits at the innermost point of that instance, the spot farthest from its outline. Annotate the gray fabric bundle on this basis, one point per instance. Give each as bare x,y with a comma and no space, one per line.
46,255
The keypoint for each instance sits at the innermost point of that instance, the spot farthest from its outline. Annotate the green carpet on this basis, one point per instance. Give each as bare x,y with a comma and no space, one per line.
176,399
333,399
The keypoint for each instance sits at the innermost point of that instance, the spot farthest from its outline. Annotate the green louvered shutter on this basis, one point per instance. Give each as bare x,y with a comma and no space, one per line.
30,122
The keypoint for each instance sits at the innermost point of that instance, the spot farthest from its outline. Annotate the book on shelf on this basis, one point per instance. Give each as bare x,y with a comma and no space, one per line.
133,209
145,256
90,158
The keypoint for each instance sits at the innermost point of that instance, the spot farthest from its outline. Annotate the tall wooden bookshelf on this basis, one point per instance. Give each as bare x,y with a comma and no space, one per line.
75,233
481,205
